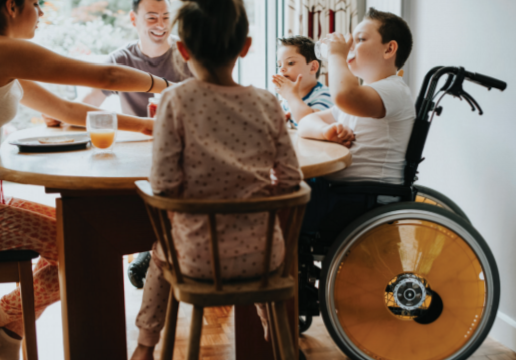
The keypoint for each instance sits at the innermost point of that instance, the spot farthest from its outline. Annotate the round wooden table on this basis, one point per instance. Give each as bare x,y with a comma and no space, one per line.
100,218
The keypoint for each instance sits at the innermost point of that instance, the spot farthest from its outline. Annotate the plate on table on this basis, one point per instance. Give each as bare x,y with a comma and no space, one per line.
64,142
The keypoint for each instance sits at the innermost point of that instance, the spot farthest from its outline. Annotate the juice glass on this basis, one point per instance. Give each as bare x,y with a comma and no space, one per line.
102,126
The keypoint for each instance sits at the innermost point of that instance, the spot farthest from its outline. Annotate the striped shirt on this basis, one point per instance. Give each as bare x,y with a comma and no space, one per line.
318,98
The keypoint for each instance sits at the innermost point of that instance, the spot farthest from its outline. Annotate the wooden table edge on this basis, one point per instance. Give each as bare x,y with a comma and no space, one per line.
68,182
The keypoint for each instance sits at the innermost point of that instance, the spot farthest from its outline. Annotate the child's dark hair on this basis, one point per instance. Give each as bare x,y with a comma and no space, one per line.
393,27
213,31
305,46
3,21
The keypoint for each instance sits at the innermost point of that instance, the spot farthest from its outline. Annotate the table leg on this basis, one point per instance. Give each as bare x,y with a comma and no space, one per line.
93,234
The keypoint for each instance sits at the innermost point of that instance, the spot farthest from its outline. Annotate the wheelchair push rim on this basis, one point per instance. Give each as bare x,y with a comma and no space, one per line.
414,282
430,196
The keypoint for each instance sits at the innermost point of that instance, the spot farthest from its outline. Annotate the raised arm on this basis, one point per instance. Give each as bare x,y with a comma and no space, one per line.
23,60
39,99
348,95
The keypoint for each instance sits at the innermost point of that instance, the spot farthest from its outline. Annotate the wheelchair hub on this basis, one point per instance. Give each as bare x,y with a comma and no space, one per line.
409,292
407,296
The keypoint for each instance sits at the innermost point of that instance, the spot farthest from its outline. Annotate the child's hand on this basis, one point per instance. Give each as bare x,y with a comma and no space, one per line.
338,45
338,133
287,88
51,122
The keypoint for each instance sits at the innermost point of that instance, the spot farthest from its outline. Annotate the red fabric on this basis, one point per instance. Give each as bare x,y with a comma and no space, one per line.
311,23
2,197
332,22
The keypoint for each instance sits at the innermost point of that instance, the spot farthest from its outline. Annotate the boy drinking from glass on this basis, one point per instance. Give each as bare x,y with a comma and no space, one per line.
376,118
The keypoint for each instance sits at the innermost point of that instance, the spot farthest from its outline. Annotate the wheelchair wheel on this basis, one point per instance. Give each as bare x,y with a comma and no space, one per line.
433,197
409,281
305,321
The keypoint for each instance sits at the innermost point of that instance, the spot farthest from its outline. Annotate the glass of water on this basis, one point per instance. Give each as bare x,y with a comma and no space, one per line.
321,49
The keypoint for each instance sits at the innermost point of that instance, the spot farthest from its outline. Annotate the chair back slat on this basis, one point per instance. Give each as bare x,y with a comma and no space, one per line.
166,228
292,234
157,226
271,221
215,258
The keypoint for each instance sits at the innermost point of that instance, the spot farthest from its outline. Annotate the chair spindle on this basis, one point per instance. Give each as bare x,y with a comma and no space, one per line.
215,259
271,221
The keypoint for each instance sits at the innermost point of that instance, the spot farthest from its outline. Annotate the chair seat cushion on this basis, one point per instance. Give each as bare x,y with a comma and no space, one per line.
17,255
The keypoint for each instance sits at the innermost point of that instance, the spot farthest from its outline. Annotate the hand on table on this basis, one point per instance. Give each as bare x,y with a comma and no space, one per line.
338,133
287,88
51,122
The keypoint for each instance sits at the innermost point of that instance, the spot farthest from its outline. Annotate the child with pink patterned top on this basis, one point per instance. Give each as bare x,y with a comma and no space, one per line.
215,139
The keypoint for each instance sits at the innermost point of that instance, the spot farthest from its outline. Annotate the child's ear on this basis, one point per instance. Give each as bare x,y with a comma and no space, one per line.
183,51
10,6
314,67
391,50
247,46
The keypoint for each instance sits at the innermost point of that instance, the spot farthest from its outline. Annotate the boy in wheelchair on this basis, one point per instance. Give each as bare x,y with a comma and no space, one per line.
375,120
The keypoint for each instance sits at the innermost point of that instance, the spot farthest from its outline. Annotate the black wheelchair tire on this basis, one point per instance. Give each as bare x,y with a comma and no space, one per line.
441,199
346,236
305,321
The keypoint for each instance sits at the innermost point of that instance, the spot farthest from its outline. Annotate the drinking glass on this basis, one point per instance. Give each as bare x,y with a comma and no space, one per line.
321,49
102,126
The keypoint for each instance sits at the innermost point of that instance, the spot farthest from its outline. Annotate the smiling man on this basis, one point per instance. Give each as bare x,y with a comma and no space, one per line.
152,52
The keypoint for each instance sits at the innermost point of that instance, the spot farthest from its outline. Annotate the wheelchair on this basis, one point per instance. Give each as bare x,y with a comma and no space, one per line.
411,279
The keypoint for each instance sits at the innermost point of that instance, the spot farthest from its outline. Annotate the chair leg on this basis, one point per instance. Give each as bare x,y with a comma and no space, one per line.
29,313
167,351
286,346
194,343
273,331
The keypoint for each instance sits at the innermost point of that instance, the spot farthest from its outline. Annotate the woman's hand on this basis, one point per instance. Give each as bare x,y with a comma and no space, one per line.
147,126
338,133
51,122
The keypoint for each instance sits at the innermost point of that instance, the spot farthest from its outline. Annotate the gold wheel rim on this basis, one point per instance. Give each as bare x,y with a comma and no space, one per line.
424,248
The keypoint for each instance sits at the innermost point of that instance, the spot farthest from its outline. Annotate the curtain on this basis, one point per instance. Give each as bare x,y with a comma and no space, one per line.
317,18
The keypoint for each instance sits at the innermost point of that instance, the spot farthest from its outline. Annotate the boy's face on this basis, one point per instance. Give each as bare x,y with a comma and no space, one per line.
291,63
366,55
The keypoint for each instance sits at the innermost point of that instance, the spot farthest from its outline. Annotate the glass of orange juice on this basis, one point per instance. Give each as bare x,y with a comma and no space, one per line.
102,126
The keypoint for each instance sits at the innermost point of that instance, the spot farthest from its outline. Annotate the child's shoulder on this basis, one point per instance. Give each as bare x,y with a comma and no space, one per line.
396,96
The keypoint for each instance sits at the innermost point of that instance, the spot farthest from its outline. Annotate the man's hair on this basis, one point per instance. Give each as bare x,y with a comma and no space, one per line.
393,27
305,46
136,4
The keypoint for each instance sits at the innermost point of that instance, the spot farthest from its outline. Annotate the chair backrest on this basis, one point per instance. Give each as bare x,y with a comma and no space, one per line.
294,203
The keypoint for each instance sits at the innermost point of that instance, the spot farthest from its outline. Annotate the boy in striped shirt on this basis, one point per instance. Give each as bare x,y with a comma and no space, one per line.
297,82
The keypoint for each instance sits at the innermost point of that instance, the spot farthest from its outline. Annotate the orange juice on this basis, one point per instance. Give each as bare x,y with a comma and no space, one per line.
102,138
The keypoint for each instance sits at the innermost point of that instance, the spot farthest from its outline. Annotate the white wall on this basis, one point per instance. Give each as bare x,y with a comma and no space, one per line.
472,158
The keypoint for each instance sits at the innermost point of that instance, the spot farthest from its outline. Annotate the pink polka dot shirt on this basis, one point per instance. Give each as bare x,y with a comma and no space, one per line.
221,142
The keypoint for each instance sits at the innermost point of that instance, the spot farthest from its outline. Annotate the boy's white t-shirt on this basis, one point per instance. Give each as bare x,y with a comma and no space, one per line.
380,146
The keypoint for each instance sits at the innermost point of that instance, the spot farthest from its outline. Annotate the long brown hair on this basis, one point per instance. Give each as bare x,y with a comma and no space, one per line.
213,31
3,21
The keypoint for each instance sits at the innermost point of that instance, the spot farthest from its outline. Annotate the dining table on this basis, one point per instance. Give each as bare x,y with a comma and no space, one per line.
100,218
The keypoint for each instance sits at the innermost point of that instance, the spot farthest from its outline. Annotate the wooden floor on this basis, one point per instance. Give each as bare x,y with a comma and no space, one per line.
316,343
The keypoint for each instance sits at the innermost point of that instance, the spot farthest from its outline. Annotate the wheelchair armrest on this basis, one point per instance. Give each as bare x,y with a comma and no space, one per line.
373,188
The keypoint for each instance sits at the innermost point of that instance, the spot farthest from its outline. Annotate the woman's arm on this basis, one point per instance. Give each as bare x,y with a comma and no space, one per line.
23,60
38,98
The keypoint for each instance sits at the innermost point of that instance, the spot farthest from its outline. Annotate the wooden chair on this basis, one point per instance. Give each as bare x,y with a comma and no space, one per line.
273,288
16,266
